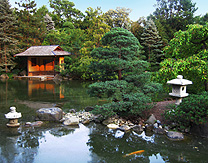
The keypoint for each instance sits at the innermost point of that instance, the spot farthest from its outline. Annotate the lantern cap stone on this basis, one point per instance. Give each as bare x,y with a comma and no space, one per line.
13,114
179,81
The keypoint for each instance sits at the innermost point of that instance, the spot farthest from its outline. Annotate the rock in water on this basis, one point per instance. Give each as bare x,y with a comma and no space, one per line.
49,114
175,135
124,128
112,126
71,121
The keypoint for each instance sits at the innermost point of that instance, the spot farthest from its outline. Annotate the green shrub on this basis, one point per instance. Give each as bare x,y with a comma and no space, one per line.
192,110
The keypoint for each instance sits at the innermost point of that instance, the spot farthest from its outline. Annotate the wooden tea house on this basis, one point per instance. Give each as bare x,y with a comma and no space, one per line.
41,60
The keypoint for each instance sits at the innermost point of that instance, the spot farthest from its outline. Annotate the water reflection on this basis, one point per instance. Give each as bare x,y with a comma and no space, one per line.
93,143
38,86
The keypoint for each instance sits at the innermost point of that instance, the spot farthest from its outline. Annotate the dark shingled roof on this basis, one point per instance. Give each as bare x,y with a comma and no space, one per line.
51,50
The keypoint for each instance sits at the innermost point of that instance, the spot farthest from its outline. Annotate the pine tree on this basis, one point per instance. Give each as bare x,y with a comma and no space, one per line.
8,43
31,25
153,44
129,87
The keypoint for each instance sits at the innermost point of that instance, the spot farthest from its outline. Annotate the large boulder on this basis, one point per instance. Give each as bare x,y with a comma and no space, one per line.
49,114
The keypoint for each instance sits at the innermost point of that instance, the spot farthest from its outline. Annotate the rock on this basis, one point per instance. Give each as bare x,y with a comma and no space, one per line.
34,124
138,128
159,131
72,111
110,120
4,76
88,108
49,114
124,128
175,135
57,77
87,121
149,127
151,120
71,121
155,125
97,118
112,126
119,134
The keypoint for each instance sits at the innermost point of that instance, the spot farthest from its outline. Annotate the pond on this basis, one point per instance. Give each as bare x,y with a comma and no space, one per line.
93,143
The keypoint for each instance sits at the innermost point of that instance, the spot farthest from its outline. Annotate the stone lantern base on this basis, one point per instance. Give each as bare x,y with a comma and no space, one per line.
13,123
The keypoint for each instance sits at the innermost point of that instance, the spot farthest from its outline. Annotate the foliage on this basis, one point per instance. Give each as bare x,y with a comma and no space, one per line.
119,54
69,38
31,26
8,43
137,28
119,59
77,67
153,44
118,18
187,55
174,15
63,11
95,28
193,110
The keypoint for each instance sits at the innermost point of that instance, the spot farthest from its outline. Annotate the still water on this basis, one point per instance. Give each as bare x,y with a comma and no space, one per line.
93,143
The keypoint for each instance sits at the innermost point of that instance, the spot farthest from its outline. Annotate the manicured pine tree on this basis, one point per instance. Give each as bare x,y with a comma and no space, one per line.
129,84
153,44
8,43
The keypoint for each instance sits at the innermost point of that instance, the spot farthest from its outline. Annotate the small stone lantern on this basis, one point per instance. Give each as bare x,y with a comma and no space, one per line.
179,88
13,117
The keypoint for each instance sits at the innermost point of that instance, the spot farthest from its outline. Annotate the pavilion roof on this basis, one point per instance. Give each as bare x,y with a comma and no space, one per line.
50,50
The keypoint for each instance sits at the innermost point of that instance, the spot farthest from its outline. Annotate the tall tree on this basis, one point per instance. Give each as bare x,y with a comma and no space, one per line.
31,26
63,10
153,44
95,28
118,18
8,43
129,85
174,15
137,28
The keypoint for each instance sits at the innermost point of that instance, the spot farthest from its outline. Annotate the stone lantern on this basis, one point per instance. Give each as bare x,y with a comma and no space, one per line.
179,88
13,117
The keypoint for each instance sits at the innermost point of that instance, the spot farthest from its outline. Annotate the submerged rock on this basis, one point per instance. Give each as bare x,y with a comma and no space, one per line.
175,135
159,130
33,124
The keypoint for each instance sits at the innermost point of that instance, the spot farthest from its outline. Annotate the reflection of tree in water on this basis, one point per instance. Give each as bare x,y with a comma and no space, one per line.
61,131
11,150
104,143
29,138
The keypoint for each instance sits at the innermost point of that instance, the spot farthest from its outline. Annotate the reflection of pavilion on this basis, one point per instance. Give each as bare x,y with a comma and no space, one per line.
34,85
